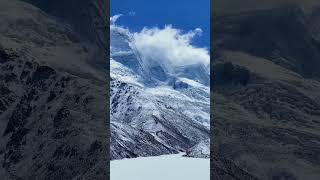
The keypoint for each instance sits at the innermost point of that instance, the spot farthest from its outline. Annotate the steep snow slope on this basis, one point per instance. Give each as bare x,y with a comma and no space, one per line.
144,112
155,109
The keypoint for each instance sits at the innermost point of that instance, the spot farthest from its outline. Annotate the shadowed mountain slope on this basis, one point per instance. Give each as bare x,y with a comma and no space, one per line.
53,82
266,111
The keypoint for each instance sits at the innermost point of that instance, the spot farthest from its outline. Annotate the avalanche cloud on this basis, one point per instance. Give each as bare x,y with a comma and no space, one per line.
170,45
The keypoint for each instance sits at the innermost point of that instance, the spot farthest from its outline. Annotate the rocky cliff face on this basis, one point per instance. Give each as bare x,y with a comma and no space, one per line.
269,125
53,99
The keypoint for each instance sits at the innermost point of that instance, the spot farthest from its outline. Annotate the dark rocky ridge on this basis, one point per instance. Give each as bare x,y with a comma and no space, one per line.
53,84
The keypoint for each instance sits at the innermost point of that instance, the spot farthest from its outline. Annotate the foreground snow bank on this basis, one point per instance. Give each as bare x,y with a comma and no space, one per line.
166,167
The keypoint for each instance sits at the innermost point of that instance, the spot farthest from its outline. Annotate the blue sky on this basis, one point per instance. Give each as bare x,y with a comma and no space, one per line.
182,14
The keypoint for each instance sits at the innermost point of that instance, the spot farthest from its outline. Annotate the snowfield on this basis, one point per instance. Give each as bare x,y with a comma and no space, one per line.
165,167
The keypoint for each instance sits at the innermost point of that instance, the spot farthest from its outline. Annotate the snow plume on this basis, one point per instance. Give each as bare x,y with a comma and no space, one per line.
114,18
168,46
171,46
116,27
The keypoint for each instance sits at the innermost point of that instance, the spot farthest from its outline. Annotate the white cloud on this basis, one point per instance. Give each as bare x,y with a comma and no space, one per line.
114,18
170,45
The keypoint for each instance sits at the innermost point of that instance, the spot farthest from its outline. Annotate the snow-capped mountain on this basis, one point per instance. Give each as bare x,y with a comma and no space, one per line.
156,108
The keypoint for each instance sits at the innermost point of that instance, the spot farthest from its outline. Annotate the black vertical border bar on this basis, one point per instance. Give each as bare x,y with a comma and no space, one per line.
107,10
211,86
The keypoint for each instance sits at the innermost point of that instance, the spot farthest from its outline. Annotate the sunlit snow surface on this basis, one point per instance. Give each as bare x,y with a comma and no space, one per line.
166,167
